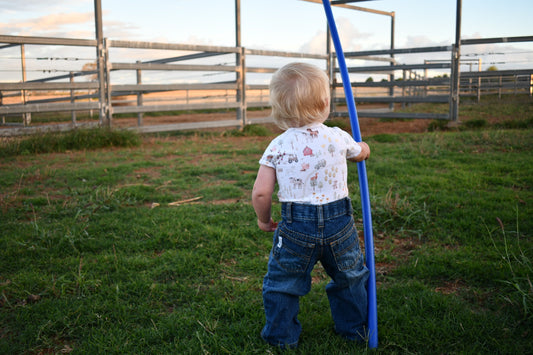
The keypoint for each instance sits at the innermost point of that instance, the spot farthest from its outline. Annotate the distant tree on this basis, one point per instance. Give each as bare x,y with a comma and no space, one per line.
369,80
492,68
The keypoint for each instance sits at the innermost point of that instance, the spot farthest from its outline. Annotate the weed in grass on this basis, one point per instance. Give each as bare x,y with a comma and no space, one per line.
475,124
438,125
519,267
400,215
515,124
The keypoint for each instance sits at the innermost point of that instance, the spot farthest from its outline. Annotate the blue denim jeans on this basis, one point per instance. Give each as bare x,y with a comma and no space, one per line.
308,234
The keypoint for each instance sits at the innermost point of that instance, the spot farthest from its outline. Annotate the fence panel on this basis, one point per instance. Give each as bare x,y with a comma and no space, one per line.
129,87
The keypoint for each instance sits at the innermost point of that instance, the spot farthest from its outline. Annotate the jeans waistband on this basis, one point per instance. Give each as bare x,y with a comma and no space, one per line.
291,211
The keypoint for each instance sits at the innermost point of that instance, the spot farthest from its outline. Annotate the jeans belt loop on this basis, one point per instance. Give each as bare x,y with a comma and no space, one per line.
320,215
288,212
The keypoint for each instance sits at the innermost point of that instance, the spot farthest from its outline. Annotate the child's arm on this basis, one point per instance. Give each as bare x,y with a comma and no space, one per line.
365,153
262,197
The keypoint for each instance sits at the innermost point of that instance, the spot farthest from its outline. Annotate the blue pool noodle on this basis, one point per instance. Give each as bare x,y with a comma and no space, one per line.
363,182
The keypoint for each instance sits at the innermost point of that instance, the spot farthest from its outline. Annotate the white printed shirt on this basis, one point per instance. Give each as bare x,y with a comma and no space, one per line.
310,163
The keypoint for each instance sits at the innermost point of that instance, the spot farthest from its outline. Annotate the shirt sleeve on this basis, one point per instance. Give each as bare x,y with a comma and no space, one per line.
269,156
352,148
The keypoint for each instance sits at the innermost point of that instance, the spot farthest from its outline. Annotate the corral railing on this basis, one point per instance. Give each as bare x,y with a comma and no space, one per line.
148,102
411,88
499,82
145,84
119,96
14,97
416,86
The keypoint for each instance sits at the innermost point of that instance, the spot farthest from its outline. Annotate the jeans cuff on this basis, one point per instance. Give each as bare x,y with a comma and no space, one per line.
282,346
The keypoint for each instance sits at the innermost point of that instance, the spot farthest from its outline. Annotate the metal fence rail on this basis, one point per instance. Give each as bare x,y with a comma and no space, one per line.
497,82
101,87
415,86
112,98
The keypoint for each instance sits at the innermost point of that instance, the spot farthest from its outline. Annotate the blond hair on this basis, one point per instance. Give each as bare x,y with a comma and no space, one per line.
299,95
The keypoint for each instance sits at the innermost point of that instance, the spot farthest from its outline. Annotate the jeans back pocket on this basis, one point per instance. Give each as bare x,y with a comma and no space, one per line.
292,254
346,250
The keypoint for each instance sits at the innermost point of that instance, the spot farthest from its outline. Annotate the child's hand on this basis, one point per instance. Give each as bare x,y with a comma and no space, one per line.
270,226
365,153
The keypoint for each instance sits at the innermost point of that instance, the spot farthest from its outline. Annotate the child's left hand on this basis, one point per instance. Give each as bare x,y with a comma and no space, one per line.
270,226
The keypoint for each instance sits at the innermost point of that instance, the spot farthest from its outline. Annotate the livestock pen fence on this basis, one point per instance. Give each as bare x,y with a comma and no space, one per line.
416,85
121,79
97,92
119,90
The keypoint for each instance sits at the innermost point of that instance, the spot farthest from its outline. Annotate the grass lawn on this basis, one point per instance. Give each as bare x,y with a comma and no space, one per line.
152,248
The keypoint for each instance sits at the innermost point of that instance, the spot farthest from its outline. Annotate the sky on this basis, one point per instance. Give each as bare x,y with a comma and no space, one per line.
285,25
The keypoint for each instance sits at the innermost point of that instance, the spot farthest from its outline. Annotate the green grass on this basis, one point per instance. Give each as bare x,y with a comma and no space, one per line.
73,140
89,264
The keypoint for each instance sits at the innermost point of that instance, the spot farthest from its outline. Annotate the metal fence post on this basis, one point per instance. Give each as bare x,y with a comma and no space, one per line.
1,103
330,65
240,72
72,99
404,78
479,81
26,117
456,55
391,76
107,78
241,88
100,60
139,97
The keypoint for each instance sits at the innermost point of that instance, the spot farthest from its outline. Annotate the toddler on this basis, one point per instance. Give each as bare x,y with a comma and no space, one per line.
308,162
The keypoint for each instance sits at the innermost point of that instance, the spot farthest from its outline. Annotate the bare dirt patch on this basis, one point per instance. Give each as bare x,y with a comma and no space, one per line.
373,126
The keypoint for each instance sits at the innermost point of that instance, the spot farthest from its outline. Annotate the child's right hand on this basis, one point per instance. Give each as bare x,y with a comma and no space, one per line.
365,153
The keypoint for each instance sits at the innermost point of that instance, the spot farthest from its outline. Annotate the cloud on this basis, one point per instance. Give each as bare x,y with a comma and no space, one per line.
422,41
68,25
120,30
351,38
36,6
27,5
316,45
47,25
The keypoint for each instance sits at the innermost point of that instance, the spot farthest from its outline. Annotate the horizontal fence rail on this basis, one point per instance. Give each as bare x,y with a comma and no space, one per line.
85,91
415,86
